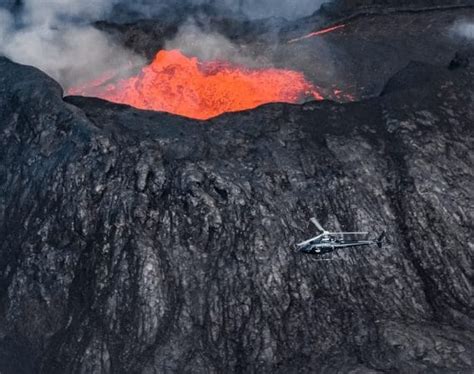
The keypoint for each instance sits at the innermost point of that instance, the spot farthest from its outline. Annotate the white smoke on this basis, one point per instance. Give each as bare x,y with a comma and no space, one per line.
56,37
207,45
192,40
464,29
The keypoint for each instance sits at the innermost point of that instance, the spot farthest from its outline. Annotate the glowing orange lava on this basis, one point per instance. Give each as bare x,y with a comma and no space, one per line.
317,33
182,85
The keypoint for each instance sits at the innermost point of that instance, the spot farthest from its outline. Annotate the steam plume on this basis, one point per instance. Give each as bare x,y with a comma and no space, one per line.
56,37
206,44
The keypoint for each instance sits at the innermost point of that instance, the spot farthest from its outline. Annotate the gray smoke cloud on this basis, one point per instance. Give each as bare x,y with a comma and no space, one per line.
206,44
56,37
192,40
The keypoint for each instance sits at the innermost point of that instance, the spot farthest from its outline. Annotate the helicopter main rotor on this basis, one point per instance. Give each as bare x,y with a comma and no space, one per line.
316,223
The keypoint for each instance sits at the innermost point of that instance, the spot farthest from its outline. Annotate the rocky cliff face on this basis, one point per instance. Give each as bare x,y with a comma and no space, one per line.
140,242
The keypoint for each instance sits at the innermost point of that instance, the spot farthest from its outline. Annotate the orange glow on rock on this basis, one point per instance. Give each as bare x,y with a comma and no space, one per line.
183,85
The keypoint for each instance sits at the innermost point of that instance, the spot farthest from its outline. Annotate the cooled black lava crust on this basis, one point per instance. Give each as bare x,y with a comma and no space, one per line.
142,242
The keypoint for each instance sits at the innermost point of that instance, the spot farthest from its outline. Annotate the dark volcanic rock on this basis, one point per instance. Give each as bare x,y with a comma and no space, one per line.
370,49
140,242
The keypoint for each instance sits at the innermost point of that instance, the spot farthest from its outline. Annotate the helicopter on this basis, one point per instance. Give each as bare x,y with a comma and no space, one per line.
328,242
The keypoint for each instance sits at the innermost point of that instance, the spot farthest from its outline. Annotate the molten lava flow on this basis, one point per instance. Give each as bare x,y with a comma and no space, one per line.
316,33
178,84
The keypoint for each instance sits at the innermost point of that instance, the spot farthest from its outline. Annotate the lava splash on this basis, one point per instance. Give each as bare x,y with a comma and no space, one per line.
185,86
